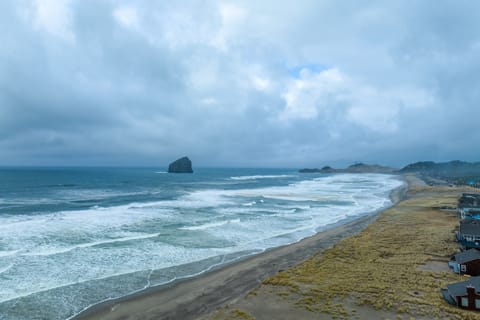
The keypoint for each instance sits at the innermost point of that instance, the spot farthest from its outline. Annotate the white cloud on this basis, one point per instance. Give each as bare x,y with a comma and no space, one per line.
232,17
379,109
53,16
260,83
312,93
127,16
319,95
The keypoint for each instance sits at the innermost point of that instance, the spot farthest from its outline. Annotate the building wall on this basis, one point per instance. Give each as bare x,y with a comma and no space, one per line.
471,301
473,268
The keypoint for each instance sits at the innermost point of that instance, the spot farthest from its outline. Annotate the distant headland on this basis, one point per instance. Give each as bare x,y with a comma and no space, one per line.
354,168
443,173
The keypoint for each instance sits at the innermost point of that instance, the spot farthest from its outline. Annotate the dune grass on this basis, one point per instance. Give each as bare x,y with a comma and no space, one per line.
379,266
228,313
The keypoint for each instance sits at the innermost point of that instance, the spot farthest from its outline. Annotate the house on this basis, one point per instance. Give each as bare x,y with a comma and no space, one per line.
469,234
466,262
469,200
469,213
464,294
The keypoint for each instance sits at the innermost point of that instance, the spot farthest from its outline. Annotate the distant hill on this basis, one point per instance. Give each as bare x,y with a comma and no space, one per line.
448,173
444,173
354,168
455,168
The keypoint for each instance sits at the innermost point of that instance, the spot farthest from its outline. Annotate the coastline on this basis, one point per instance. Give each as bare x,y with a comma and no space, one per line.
393,269
192,297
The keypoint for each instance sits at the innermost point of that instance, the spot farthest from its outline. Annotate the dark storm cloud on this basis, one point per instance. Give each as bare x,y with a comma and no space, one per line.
238,83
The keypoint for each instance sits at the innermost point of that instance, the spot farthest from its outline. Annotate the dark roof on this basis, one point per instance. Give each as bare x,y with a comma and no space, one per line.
446,295
470,226
460,288
469,200
467,256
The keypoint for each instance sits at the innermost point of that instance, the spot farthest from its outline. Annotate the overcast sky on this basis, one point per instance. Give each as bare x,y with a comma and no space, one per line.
238,83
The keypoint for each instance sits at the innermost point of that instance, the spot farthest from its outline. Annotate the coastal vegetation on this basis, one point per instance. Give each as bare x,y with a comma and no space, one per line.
393,269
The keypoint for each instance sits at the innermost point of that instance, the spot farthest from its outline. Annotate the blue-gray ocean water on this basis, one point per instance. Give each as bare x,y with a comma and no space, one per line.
71,237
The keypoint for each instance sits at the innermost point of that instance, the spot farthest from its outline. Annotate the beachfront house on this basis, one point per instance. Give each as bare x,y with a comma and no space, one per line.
469,200
466,262
469,234
463,294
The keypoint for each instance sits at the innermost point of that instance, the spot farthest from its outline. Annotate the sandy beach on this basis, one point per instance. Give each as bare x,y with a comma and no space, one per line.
393,269
389,265
202,295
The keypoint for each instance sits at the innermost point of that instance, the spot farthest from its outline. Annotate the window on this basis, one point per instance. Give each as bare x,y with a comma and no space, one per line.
477,303
464,302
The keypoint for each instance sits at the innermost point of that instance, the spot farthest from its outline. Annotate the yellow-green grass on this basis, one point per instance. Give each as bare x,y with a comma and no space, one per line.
234,314
379,266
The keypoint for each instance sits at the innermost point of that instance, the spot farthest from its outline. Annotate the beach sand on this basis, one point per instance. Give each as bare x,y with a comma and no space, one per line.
384,266
393,269
201,295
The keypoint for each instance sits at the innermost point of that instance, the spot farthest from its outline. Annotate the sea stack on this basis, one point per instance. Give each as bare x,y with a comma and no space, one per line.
182,165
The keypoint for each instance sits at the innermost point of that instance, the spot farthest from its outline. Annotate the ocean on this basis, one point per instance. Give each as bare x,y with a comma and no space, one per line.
72,237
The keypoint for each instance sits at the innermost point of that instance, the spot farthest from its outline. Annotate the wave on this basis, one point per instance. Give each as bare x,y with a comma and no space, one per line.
216,261
231,220
279,176
3,270
211,225
161,172
60,185
71,195
8,253
89,245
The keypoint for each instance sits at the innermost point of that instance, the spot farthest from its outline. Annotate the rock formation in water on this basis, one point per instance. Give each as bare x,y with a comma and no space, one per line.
182,165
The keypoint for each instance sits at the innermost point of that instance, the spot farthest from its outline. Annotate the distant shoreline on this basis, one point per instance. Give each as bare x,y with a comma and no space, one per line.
191,297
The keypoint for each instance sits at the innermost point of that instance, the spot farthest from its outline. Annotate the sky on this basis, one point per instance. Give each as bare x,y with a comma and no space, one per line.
238,83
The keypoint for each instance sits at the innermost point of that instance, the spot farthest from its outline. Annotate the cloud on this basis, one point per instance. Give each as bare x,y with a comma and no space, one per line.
237,82
53,17
127,16
313,94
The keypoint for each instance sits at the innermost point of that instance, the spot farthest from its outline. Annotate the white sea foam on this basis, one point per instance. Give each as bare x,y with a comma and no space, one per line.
211,225
8,253
94,194
55,251
5,269
67,247
320,189
255,177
